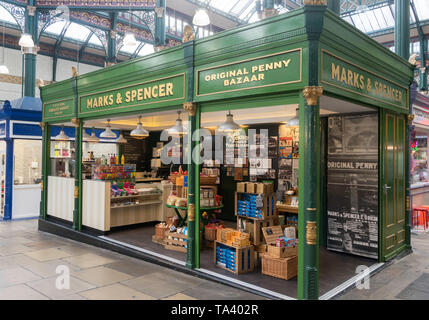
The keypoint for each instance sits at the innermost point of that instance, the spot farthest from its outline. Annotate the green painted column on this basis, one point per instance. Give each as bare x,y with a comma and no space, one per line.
160,12
402,28
309,188
77,219
30,53
193,215
111,41
309,161
334,6
46,144
402,48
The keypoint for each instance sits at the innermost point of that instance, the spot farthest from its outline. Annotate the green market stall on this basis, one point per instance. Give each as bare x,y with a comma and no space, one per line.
353,100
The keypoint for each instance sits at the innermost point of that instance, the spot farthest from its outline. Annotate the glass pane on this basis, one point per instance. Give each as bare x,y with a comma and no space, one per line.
130,49
373,20
348,19
56,27
62,159
358,22
422,8
380,18
95,40
6,16
27,161
388,16
223,5
77,31
147,49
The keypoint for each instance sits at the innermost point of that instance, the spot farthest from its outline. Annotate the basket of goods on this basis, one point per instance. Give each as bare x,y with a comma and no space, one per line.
177,175
210,230
160,230
181,202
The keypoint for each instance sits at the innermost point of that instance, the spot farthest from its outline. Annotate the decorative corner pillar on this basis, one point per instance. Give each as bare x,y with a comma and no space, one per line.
269,12
190,107
312,94
315,2
78,175
188,34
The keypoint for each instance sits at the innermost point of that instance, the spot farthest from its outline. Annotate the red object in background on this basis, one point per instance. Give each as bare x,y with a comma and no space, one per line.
420,218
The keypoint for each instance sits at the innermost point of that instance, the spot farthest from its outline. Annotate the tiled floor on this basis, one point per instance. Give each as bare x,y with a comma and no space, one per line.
405,279
34,265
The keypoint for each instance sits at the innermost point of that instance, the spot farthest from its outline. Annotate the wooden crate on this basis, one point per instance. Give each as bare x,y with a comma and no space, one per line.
240,239
254,228
285,268
270,235
244,258
269,208
224,234
158,241
175,241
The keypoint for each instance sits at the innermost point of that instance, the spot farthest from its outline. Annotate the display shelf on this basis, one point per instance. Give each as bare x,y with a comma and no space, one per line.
287,208
134,196
137,204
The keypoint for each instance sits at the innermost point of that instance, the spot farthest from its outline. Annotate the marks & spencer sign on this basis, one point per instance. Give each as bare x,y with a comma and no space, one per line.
137,95
349,77
266,71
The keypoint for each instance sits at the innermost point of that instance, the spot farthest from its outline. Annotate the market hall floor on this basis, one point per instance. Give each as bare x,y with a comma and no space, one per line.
28,270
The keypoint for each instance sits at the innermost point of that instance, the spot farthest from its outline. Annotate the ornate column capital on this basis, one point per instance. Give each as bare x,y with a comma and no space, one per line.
266,13
76,122
159,12
410,118
42,125
312,94
159,48
314,2
31,10
190,107
113,34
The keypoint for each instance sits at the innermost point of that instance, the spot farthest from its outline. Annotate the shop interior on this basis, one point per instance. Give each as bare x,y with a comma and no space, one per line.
130,197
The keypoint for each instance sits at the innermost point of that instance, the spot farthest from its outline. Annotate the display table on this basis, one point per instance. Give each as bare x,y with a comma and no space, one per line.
287,208
182,219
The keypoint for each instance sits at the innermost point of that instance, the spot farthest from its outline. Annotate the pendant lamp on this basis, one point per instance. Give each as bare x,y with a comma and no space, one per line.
3,68
62,135
26,41
93,138
139,132
121,139
108,133
294,122
178,128
201,18
229,125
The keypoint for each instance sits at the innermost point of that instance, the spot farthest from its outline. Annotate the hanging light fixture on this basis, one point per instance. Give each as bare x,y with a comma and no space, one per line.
229,125
62,135
108,133
121,139
201,18
129,38
294,122
85,135
26,41
3,68
139,132
93,138
178,128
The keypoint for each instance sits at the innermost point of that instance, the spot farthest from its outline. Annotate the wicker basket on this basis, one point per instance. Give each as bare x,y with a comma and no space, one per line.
208,180
210,231
286,268
160,231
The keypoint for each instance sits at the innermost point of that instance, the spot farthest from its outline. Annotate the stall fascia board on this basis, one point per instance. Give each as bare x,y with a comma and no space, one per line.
350,45
296,30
